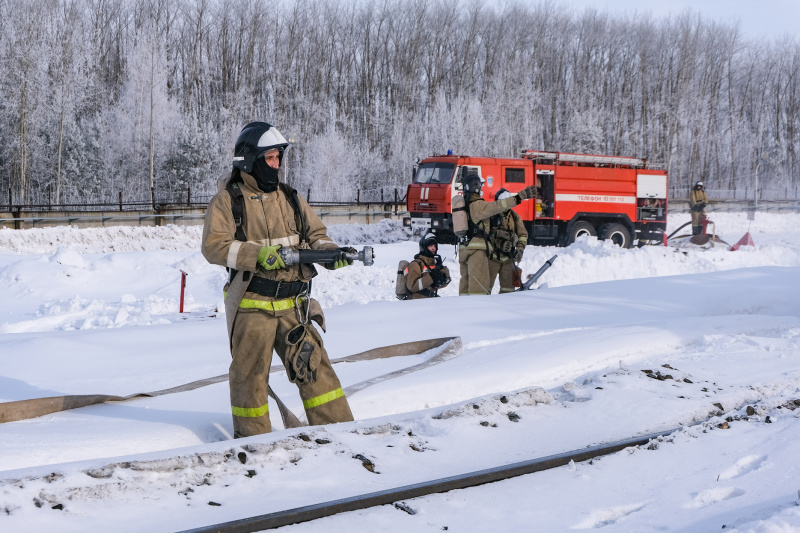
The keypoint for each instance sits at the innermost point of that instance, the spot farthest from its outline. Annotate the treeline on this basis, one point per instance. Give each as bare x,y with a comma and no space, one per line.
102,96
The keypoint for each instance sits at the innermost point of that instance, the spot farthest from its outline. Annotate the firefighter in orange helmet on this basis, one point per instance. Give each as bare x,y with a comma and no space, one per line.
426,274
698,199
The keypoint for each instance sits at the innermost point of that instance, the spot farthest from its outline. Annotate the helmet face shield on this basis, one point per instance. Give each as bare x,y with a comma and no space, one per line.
502,194
270,139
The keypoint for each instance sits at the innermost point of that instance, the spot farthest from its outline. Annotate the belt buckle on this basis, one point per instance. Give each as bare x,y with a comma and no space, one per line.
277,290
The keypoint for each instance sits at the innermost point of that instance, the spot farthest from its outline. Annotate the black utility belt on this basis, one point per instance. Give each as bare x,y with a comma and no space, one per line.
277,289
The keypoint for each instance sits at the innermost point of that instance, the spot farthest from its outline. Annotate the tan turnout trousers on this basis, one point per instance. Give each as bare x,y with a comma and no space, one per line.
255,333
474,268
505,270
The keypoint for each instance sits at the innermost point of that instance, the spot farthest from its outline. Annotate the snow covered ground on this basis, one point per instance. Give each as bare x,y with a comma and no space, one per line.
94,311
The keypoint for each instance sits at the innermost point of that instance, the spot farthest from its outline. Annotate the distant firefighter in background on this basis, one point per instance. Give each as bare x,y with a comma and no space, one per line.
698,199
508,236
474,250
426,274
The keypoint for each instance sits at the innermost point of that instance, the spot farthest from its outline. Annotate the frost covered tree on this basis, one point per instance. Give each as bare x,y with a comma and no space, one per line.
103,96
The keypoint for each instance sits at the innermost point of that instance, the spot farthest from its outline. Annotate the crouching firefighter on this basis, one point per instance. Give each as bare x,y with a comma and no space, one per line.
426,274
476,247
267,302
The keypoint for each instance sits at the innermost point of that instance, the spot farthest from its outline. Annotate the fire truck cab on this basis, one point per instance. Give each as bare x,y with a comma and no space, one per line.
616,198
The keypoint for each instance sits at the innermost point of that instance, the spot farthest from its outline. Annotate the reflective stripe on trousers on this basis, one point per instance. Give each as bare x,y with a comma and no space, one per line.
250,412
323,398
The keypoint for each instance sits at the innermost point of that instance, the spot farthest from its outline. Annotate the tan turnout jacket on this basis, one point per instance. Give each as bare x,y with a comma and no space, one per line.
698,197
418,276
269,220
480,211
512,223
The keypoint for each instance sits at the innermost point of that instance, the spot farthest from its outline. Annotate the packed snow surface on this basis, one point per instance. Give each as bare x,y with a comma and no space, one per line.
700,343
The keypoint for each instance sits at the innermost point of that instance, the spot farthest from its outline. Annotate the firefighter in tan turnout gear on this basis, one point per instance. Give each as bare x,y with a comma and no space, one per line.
426,274
698,199
475,250
267,303
508,237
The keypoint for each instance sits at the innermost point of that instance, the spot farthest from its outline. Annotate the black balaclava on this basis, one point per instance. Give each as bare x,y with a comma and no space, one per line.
266,176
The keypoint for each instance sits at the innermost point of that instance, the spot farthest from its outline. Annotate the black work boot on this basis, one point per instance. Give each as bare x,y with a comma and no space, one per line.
697,230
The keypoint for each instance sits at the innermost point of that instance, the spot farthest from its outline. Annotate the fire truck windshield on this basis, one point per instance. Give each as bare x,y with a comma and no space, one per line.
435,173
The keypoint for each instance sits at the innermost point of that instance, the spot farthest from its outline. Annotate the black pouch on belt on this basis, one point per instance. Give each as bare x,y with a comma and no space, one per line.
303,354
503,241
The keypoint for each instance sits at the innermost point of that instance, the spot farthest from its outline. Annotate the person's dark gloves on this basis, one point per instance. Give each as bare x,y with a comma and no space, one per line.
526,194
440,278
342,260
518,254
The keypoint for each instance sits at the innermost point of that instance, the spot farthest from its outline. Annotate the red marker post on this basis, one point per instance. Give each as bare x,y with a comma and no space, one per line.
183,287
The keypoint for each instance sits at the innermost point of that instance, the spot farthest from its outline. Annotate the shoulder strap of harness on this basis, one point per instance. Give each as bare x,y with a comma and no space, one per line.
237,206
476,229
291,194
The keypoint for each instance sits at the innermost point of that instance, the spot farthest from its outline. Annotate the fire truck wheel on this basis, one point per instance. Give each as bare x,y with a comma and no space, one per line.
579,229
616,233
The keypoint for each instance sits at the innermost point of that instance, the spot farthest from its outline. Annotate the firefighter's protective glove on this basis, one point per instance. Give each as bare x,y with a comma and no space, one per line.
440,279
518,254
527,193
342,260
269,259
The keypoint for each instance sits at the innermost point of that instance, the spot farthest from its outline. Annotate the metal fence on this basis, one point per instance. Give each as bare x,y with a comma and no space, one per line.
187,200
742,194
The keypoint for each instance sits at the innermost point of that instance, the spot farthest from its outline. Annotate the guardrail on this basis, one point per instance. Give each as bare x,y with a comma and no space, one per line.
332,213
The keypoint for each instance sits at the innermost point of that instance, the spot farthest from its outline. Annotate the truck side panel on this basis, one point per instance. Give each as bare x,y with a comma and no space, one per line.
587,189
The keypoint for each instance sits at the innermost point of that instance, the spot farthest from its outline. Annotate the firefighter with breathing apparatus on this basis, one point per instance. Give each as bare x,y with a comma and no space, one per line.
249,225
426,274
475,248
508,237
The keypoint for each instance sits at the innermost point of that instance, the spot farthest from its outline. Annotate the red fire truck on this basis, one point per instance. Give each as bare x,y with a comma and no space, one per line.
617,198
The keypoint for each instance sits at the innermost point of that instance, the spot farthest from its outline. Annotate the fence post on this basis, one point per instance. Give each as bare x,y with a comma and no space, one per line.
49,197
358,196
120,201
395,201
308,196
188,196
382,195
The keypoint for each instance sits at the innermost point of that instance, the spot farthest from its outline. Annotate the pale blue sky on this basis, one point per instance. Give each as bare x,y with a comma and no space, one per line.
758,18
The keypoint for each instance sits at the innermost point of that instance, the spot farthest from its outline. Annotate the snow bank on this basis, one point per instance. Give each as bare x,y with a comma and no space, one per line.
170,237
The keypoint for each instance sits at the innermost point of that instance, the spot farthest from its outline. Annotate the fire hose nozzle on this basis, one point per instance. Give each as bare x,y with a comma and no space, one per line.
293,257
366,256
